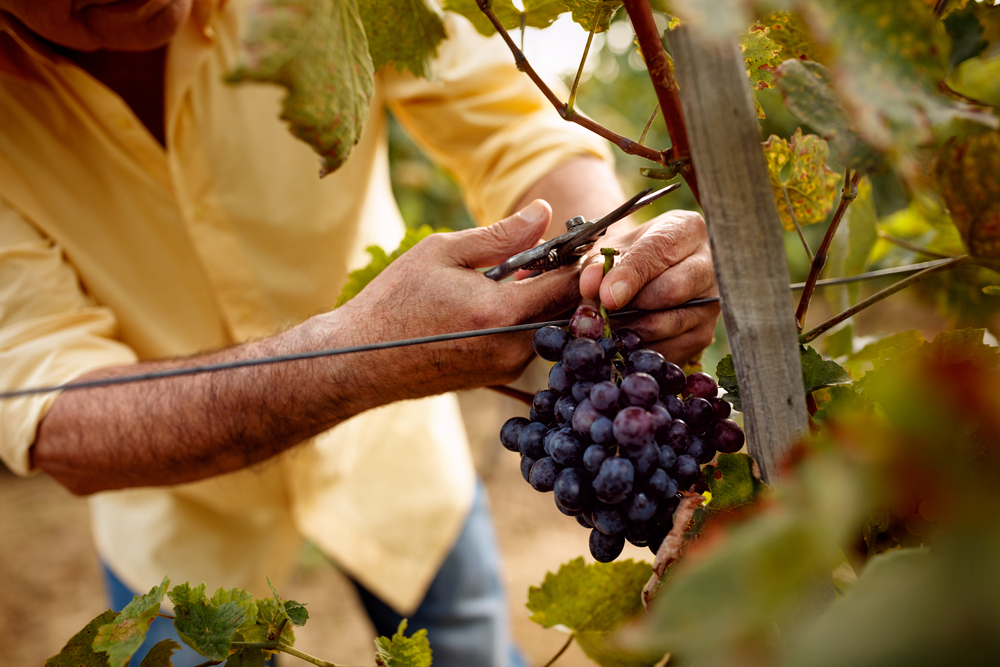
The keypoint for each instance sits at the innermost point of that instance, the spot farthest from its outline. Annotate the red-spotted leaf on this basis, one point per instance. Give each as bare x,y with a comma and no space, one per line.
79,651
123,636
317,51
811,186
733,482
968,176
790,32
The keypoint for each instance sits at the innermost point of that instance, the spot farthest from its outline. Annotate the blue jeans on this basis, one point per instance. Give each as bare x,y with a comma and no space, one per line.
464,611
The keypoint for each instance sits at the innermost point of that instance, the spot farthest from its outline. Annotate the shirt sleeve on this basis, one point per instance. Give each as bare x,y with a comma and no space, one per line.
50,332
485,121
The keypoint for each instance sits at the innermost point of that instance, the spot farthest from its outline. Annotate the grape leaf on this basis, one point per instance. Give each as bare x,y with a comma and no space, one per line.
948,7
123,636
209,629
357,280
725,374
839,342
890,59
247,657
593,601
537,13
862,235
294,611
313,47
405,33
79,650
836,402
159,655
978,79
818,372
403,651
184,594
243,599
807,90
732,482
760,55
584,12
874,354
811,185
790,32
968,176
962,346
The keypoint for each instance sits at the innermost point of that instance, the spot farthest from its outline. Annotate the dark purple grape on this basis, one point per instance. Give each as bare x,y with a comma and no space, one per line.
700,450
549,342
726,436
605,548
584,417
633,427
583,358
604,395
701,385
722,408
564,409
511,431
668,457
628,341
614,480
677,435
640,533
526,463
581,390
543,474
586,323
698,413
530,443
609,520
675,406
610,348
565,510
661,484
640,389
687,470
572,488
641,508
671,380
566,449
559,379
544,401
665,512
661,417
646,460
547,440
602,431
593,457
646,361
582,520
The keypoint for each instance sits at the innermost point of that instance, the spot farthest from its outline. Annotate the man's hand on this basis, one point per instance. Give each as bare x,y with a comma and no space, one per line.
664,262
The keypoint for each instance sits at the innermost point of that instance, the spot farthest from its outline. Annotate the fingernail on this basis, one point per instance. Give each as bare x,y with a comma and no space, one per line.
619,293
533,212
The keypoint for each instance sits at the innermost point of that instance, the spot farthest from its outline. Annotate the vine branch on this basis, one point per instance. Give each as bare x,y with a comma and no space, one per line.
624,143
661,73
913,247
277,645
847,195
878,296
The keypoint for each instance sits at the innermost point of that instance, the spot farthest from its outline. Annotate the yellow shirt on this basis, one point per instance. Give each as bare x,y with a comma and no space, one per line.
114,249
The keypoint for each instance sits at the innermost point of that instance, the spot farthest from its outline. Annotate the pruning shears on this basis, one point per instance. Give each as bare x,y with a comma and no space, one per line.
580,237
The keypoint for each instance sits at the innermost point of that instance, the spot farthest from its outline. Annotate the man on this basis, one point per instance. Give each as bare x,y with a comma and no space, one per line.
150,213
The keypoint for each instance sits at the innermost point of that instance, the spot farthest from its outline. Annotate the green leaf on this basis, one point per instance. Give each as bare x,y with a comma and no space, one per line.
160,654
790,32
962,346
357,280
807,89
297,612
313,47
405,33
537,13
732,482
184,594
123,636
79,650
818,372
247,657
594,601
978,79
585,11
725,374
836,402
811,185
403,651
992,290
968,176
209,629
874,354
271,615
859,236
243,599
839,342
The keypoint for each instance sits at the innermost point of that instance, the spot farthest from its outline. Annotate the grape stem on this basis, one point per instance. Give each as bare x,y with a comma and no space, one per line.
609,262
571,102
624,143
561,651
510,392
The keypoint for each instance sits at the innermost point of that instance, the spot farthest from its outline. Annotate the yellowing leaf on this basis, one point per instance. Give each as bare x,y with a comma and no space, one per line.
317,51
585,11
405,33
537,13
403,651
811,186
123,636
788,31
968,176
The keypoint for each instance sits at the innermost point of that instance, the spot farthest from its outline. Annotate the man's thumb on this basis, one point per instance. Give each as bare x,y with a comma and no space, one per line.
491,245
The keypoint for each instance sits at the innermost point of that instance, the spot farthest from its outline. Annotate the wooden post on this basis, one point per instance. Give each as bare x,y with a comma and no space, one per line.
745,233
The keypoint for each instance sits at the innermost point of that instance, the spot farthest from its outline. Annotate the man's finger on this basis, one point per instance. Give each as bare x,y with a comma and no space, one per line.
486,246
692,277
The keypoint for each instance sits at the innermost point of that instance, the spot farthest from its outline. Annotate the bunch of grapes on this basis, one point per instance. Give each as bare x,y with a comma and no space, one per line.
618,433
